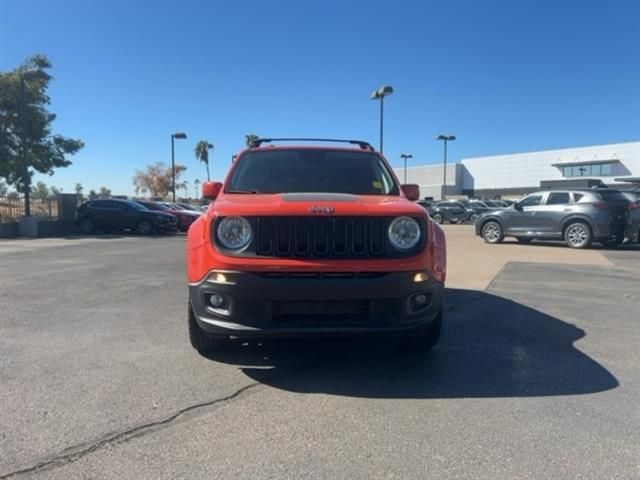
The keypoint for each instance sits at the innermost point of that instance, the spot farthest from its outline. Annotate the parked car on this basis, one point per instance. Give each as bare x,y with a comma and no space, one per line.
272,257
188,206
184,217
577,216
111,215
474,209
633,222
451,211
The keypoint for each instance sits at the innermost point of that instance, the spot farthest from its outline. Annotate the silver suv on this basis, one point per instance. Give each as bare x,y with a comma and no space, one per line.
577,216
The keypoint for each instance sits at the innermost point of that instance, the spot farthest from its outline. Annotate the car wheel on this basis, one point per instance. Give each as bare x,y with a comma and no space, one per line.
492,232
424,341
86,226
453,222
437,218
145,227
524,240
199,340
578,235
473,217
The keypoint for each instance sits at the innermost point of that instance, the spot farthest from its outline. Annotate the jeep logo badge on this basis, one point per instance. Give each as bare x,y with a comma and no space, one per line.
321,210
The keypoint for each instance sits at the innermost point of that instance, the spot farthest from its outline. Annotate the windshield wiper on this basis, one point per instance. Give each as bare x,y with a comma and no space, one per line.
243,191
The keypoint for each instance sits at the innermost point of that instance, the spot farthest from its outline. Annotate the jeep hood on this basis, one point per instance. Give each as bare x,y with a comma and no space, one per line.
298,204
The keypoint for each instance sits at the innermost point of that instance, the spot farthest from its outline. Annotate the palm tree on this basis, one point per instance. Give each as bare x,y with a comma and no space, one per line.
202,153
250,138
196,182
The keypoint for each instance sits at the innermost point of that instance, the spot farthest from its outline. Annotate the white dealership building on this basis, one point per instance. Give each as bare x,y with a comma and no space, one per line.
616,165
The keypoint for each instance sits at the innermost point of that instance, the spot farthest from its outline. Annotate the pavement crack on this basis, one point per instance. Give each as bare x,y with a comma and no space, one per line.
77,452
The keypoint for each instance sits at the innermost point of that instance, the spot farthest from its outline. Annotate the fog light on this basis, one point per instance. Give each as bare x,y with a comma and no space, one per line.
219,278
216,300
420,299
420,277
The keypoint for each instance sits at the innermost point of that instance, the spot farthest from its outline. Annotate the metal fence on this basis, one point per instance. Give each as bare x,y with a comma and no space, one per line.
12,208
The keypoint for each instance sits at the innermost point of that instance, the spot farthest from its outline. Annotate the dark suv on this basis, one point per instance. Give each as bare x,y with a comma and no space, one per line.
109,215
451,211
577,216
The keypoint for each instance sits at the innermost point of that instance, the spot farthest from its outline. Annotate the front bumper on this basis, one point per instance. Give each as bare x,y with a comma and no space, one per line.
276,304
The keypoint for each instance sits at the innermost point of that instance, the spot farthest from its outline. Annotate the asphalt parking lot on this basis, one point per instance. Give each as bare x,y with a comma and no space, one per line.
536,375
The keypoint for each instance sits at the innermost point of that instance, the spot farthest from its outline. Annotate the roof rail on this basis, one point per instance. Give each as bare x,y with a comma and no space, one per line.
361,143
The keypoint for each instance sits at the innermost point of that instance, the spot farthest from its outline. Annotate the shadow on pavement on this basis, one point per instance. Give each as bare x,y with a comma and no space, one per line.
491,347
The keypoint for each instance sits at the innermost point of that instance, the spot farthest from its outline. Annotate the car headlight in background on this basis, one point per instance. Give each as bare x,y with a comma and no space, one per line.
404,233
234,233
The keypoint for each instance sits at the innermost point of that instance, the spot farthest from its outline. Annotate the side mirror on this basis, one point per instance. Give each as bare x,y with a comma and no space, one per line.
210,190
517,206
411,191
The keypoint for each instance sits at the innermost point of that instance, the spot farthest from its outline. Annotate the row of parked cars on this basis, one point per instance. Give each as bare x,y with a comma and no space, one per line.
142,216
460,211
577,216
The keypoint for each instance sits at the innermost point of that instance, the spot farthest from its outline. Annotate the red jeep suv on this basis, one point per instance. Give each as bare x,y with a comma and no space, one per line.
314,240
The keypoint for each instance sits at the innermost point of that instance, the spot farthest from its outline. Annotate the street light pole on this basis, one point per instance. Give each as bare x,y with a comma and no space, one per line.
405,156
379,94
180,136
445,139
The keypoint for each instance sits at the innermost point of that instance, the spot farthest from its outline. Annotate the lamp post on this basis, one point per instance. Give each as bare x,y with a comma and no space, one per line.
405,157
445,139
179,136
379,94
27,76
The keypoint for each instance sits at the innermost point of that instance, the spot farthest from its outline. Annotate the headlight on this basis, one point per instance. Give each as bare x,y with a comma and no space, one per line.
234,233
404,233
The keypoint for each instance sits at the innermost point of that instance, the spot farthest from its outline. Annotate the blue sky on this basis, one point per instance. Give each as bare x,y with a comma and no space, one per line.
504,76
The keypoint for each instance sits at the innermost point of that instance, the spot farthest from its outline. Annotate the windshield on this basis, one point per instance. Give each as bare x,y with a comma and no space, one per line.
136,206
306,171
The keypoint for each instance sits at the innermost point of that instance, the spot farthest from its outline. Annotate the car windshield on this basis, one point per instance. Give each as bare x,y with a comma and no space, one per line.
478,203
312,171
135,206
612,196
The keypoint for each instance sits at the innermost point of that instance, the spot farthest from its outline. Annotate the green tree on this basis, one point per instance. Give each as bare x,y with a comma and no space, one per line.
249,138
45,150
156,179
4,188
196,182
202,153
40,191
104,192
93,194
55,191
78,189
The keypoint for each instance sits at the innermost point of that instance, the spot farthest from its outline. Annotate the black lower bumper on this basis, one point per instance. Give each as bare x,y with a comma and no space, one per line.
313,304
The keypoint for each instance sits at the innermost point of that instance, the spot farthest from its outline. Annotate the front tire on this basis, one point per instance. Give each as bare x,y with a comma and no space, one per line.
424,341
437,218
473,218
86,226
145,227
578,235
492,232
199,340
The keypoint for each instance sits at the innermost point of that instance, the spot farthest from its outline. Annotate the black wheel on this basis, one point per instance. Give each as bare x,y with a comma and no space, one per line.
424,341
492,232
524,240
473,217
453,222
437,218
578,235
86,226
202,343
145,227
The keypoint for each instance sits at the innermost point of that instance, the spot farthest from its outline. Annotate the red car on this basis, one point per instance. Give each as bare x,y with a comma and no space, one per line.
184,217
314,240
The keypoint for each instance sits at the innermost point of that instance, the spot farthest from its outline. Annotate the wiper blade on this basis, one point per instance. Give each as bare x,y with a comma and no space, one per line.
243,191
